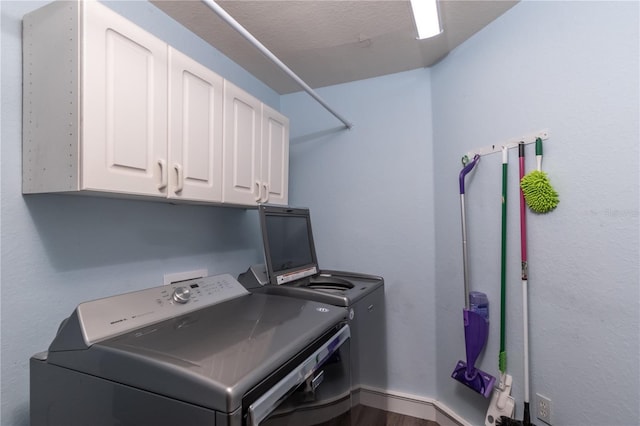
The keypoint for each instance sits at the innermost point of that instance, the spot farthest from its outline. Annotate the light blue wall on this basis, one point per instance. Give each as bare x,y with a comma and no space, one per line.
385,196
384,200
58,251
570,67
370,190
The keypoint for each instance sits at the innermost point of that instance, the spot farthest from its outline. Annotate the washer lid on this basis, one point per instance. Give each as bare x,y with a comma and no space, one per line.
210,357
336,288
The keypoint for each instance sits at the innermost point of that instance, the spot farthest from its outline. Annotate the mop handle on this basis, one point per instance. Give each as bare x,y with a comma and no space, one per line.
466,170
525,303
465,256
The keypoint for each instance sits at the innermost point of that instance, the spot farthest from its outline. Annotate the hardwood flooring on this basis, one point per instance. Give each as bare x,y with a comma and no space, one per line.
362,415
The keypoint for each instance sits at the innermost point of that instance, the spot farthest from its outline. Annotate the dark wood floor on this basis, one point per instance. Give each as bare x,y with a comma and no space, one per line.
369,416
362,415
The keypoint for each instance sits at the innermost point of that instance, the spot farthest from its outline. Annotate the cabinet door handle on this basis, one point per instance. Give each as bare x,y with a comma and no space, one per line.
266,192
163,175
180,178
259,196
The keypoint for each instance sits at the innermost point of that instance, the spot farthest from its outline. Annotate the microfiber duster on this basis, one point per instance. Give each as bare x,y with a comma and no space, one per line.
538,192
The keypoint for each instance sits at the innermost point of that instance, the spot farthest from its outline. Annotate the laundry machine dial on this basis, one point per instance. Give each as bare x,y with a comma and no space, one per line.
181,295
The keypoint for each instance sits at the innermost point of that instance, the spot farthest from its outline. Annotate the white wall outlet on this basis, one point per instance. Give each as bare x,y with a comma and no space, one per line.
183,276
543,408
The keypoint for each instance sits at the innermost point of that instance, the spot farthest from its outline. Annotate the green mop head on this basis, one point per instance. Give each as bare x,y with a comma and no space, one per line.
538,192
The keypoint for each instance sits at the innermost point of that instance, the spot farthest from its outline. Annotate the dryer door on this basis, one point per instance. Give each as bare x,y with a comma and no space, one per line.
316,392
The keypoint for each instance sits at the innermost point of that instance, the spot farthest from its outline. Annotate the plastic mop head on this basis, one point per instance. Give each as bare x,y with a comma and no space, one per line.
476,331
538,192
475,379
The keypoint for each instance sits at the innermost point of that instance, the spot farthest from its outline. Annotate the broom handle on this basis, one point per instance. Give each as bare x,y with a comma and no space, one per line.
502,358
525,277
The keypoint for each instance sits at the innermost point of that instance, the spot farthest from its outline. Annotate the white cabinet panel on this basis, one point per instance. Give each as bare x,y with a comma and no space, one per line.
242,139
256,151
195,120
111,82
275,156
124,98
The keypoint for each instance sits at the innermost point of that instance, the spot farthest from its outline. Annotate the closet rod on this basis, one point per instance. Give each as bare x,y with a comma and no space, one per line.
254,41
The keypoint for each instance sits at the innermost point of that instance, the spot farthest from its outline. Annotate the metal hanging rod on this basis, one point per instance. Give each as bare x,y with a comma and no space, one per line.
513,143
254,41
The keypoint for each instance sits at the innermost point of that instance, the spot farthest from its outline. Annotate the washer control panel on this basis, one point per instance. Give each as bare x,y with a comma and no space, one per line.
104,318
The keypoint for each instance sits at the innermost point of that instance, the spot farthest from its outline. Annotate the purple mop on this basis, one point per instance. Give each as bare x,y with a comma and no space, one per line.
476,326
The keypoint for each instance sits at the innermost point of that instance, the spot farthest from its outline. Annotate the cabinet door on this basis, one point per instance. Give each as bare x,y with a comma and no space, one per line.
242,133
124,105
195,130
275,157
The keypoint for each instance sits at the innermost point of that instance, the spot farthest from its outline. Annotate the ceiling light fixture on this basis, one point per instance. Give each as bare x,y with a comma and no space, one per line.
425,14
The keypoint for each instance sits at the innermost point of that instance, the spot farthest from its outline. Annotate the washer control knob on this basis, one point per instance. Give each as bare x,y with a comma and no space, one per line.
181,295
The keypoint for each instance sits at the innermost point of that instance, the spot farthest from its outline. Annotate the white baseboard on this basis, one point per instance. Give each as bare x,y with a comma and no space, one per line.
408,405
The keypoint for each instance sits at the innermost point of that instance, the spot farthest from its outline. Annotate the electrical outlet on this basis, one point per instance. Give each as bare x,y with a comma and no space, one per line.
544,409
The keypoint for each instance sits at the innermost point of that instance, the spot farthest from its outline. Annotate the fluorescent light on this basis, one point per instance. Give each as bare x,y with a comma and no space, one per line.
425,13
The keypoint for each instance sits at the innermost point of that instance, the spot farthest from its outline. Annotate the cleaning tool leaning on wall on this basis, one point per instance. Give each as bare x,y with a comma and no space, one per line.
526,420
476,324
536,187
502,403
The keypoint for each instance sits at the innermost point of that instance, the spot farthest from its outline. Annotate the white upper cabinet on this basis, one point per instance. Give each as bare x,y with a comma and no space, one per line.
124,105
110,109
275,156
256,151
195,130
243,121
95,102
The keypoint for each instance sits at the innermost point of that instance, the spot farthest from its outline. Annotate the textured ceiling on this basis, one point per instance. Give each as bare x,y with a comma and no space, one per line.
329,42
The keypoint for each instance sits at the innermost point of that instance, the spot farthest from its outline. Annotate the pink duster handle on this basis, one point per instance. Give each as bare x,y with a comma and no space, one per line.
523,219
525,290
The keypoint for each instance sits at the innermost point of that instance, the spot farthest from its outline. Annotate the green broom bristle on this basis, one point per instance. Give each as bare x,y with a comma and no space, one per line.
538,192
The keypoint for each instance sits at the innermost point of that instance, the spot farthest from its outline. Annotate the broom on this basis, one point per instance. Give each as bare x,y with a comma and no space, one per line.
538,192
502,403
506,421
